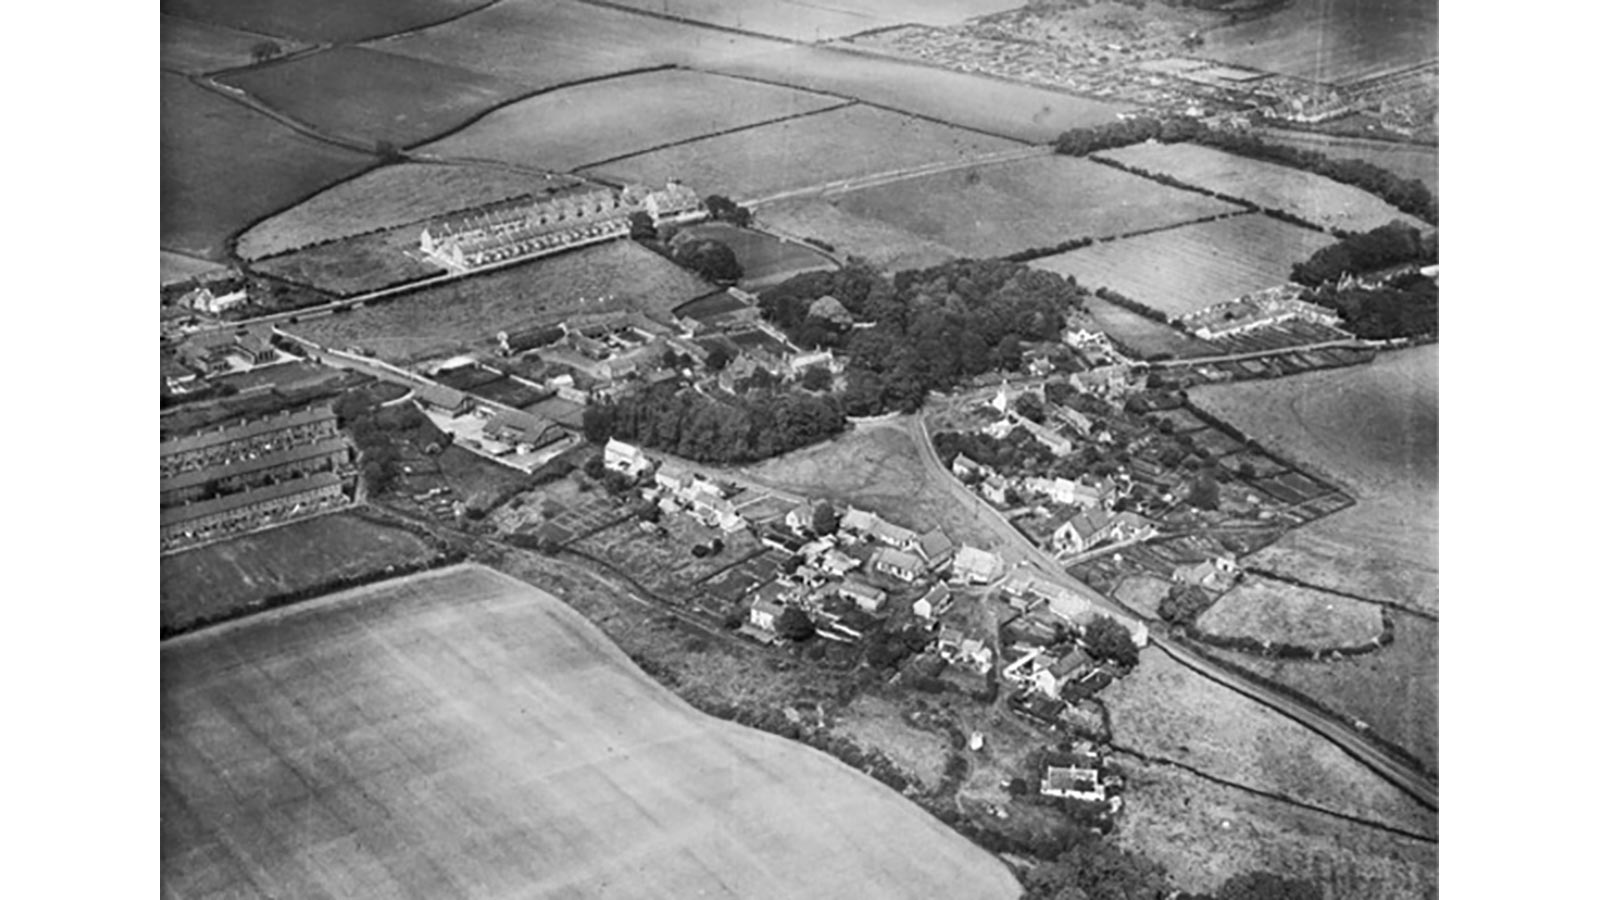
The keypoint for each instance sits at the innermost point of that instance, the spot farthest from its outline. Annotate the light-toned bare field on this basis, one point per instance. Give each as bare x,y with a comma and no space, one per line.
1308,196
883,244
588,123
463,734
1286,614
176,267
1167,710
818,22
193,47
1189,268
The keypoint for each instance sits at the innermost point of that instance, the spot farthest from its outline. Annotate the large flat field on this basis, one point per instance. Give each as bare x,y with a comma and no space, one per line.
1332,40
1374,429
451,317
590,123
1189,268
1405,160
849,142
235,575
886,246
1287,614
1311,197
543,44
808,22
319,21
384,198
462,734
176,267
766,260
1144,336
191,47
1019,111
368,96
224,166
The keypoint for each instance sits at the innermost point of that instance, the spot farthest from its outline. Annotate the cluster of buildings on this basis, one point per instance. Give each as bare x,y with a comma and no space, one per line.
1260,309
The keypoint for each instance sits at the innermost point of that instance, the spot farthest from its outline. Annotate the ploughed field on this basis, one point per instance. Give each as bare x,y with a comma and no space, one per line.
461,734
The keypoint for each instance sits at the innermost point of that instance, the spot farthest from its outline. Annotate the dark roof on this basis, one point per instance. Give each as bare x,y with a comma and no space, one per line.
441,395
247,430
526,427
260,463
179,514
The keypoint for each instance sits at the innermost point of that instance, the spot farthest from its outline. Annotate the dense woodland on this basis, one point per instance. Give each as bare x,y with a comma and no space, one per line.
1408,306
1387,245
687,423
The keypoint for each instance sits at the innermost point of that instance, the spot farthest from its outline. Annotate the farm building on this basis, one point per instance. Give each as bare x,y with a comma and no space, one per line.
228,444
858,523
1216,574
626,458
1097,526
1051,674
974,566
512,343
271,505
242,474
900,564
526,431
673,477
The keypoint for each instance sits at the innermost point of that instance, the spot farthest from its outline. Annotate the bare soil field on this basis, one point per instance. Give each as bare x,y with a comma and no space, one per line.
766,259
1286,614
1310,197
1167,710
1019,111
368,96
589,123
318,21
462,734
236,575
1331,40
1405,160
849,142
886,246
1144,336
354,266
176,267
807,22
1375,430
224,166
387,197
193,47
1189,268
446,318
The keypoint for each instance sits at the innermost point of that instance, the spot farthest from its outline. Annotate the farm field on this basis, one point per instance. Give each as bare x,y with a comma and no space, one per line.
1374,429
589,123
224,166
386,197
367,96
447,318
176,267
193,47
1167,710
1041,201
1186,269
1405,160
1310,197
766,259
1143,593
849,142
235,575
1144,336
462,734
885,246
1285,614
1018,111
543,44
354,266
819,22
317,21
1332,40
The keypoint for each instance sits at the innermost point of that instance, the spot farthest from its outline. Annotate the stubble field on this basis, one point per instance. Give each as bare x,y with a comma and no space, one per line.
463,734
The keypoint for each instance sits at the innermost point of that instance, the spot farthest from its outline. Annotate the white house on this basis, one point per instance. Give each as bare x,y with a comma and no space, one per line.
934,603
864,595
964,466
900,564
1056,673
764,612
673,478
857,522
625,458
974,566
893,535
1073,783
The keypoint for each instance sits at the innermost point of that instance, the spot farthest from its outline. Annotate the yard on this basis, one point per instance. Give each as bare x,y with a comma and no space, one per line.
319,21
1281,613
1143,593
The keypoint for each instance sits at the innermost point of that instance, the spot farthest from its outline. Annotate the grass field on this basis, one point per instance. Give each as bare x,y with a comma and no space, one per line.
383,198
193,47
886,246
1405,160
766,259
176,267
1375,429
838,144
1189,268
224,166
368,96
238,574
1144,336
1286,614
806,22
1310,197
1332,40
319,21
447,318
1018,111
1143,593
462,734
590,123
353,266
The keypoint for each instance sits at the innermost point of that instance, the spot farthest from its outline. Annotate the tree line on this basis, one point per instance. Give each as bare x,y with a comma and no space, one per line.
1387,245
687,423
1407,306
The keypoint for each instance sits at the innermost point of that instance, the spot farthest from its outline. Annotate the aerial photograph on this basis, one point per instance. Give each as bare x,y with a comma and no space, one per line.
763,449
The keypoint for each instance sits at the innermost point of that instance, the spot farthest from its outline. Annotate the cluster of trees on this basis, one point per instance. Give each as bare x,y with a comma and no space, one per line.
689,424
1107,639
1183,604
1407,307
710,259
1386,245
1014,454
379,433
724,210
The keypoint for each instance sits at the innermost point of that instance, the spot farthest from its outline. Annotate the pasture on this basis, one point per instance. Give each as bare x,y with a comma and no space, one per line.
806,22
1405,160
367,96
849,142
589,123
766,259
1332,41
176,267
224,165
355,265
451,317
1185,269
1145,337
387,197
1283,613
462,734
243,573
317,21
1307,196
886,246
193,47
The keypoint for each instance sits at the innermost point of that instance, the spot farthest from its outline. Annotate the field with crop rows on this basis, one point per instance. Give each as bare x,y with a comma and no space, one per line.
1185,269
319,21
224,166
1310,197
1332,40
766,259
590,123
1285,614
462,734
192,47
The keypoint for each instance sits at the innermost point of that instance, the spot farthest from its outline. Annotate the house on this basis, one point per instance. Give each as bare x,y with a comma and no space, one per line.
936,548
994,490
202,299
1057,673
900,564
858,522
673,477
1060,490
766,608
255,347
1096,526
797,363
526,431
869,598
836,563
964,467
713,509
950,640
1073,783
1075,420
974,566
977,654
893,535
1079,612
1108,381
1000,429
800,518
444,399
625,458
1216,574
934,603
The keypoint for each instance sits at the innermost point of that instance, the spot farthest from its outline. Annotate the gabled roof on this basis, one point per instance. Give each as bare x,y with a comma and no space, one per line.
858,520
853,588
327,447
441,395
934,544
900,559
964,461
890,533
247,430
938,595
1070,663
176,515
524,427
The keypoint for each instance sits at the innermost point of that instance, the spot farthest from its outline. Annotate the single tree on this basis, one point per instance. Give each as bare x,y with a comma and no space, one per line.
824,519
1106,638
793,624
717,358
1205,493
265,50
1029,406
816,378
641,227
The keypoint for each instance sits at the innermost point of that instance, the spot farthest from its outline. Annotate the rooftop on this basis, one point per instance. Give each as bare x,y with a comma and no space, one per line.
258,464
177,515
247,430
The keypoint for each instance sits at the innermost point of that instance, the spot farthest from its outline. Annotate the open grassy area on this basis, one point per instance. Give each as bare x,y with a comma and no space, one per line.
1331,40
368,96
468,312
843,143
1185,269
885,245
1405,160
1286,614
320,21
244,572
224,166
1143,593
176,267
192,47
387,197
589,123
355,265
1271,186
1144,336
463,734
766,259
808,22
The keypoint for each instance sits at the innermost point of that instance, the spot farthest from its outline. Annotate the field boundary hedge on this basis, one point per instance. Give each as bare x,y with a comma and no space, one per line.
716,134
1387,604
1275,650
